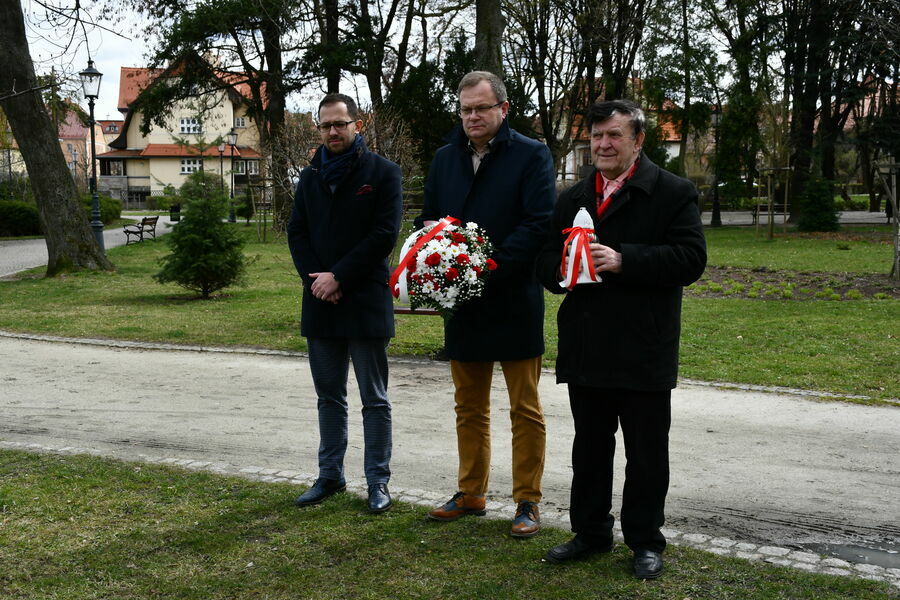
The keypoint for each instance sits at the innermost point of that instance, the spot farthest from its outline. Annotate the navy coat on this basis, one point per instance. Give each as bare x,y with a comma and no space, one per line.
511,197
624,332
350,232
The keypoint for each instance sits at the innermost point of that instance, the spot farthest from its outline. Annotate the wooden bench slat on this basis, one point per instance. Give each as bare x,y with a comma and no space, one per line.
147,227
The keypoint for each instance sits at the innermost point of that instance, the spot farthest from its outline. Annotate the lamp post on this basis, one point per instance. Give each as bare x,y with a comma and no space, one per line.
221,172
90,86
232,141
716,220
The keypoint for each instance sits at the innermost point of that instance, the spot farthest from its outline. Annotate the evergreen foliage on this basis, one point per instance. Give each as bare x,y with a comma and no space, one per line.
18,218
206,252
243,207
818,209
110,208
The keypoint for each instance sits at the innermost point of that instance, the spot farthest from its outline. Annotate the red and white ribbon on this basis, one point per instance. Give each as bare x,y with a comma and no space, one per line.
410,250
579,268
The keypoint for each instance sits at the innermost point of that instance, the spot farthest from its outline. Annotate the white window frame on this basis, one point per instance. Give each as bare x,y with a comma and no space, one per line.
252,167
238,167
191,165
191,125
240,122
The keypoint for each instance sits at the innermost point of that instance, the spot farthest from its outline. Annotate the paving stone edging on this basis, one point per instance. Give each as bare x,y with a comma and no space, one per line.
776,555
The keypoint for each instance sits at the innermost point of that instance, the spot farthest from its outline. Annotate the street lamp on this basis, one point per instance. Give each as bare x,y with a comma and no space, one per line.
716,220
90,86
232,141
221,173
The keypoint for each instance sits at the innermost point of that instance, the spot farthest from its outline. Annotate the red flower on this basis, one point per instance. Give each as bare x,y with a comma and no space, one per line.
411,265
451,274
491,264
477,270
433,259
480,239
428,277
458,237
462,259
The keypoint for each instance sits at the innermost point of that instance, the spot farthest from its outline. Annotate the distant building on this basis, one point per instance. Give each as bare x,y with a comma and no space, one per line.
138,166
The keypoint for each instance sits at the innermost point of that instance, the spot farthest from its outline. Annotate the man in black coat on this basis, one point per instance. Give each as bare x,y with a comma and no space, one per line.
618,339
344,225
503,181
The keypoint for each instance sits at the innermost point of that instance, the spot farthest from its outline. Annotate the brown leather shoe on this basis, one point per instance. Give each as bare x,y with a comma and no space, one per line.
527,521
460,505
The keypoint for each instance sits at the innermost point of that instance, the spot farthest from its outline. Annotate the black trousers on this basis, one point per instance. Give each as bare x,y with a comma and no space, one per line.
645,418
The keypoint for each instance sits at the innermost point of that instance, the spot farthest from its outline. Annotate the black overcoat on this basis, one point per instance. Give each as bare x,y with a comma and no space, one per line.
624,332
351,233
511,197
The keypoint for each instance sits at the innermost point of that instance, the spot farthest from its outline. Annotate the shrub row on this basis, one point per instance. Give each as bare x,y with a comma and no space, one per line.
19,218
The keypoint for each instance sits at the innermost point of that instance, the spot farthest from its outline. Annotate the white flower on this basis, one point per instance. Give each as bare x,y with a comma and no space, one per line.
471,226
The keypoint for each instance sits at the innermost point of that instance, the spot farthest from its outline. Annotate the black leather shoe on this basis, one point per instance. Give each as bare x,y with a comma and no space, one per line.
576,549
647,564
379,498
322,489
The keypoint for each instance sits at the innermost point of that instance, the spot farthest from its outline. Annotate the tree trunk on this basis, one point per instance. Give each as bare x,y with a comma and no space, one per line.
489,26
685,119
807,73
282,203
70,241
332,69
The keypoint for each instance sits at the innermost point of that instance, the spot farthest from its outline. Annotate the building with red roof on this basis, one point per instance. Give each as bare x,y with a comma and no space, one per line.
138,166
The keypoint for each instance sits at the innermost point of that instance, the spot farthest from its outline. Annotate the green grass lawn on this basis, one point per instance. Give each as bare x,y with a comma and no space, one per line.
862,249
846,347
80,528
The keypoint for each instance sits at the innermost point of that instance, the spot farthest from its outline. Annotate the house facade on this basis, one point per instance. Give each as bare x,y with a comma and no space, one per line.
138,166
75,143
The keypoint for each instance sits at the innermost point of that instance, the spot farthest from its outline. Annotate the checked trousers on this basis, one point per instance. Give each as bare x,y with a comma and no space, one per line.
329,362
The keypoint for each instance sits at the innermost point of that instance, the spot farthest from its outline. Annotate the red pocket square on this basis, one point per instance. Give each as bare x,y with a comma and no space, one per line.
364,190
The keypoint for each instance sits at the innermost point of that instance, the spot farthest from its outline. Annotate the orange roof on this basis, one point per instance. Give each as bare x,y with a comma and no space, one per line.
177,150
668,129
133,80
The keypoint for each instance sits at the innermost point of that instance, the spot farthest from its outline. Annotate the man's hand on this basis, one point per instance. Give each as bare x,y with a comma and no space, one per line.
606,259
326,287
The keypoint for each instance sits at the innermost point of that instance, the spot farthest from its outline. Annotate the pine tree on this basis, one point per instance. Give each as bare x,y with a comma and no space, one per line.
206,252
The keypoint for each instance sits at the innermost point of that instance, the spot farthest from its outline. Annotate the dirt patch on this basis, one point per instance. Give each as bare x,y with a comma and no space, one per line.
764,284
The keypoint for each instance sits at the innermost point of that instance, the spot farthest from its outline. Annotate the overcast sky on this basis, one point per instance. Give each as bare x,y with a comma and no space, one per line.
67,50
113,46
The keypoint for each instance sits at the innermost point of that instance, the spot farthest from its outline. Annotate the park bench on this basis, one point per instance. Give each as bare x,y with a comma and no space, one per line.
777,209
138,232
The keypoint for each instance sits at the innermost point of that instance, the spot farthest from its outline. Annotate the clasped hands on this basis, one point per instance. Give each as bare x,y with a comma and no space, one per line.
326,287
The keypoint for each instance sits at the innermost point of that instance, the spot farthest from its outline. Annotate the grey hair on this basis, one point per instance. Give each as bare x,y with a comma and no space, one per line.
601,111
475,77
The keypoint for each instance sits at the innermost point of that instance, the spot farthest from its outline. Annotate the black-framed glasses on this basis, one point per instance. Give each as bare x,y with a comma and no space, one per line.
339,125
465,111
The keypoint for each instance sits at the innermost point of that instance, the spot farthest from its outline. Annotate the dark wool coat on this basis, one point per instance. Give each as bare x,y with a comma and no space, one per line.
351,233
624,331
511,197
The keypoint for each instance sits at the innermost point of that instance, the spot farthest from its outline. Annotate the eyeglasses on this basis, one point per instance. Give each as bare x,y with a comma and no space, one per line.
465,111
339,125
